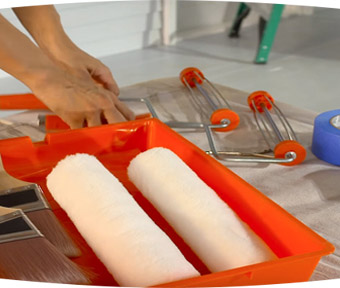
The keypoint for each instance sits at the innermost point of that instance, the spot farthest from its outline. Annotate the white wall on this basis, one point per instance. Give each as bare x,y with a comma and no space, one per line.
113,27
106,28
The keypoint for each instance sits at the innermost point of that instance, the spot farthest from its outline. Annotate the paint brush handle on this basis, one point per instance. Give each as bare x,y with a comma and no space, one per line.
15,226
5,210
7,181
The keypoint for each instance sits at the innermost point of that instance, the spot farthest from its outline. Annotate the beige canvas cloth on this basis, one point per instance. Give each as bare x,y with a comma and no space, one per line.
309,191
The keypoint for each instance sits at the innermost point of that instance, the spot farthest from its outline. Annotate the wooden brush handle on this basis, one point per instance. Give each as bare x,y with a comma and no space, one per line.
5,211
7,181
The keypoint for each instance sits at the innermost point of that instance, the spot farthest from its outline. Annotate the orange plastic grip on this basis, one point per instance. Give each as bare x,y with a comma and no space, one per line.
220,114
190,74
258,98
290,146
21,101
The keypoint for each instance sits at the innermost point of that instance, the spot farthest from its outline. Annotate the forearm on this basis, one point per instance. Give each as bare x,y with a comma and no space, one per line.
20,57
68,90
43,23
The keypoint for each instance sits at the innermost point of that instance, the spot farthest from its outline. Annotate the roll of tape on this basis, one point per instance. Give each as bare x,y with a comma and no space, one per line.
326,137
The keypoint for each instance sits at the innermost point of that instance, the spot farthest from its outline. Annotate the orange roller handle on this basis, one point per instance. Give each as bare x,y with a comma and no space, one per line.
290,146
258,98
220,114
21,101
189,74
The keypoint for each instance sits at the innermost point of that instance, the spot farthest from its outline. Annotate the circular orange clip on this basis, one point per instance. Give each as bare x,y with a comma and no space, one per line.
286,146
258,98
190,74
221,114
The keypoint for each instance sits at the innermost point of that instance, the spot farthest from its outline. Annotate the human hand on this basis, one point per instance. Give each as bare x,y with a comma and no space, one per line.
92,70
75,58
76,86
78,100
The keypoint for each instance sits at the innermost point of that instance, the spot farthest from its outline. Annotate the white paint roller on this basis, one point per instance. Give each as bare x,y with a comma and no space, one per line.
205,222
132,247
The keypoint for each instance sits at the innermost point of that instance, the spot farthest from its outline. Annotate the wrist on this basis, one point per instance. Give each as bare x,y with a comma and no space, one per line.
42,75
57,46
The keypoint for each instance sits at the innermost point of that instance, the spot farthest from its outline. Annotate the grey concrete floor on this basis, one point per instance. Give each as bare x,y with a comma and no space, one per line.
303,68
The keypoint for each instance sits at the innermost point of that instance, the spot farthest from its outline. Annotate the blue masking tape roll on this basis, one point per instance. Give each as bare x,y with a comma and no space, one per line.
326,137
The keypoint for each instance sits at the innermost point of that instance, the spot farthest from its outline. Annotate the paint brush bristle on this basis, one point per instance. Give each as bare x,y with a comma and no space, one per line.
36,259
25,254
48,224
31,200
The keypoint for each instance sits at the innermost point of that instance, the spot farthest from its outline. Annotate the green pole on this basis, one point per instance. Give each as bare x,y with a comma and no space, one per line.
269,34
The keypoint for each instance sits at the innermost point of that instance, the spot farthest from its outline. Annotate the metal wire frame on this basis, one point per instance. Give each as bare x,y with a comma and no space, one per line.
209,98
258,157
267,126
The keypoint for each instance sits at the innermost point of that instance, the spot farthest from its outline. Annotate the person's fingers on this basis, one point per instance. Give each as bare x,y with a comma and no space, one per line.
104,76
113,115
75,123
93,119
124,110
112,86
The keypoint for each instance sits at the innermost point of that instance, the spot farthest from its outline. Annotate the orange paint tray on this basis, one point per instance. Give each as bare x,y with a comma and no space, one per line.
298,248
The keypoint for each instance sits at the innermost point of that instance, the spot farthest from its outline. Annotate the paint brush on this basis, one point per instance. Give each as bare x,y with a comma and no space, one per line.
25,254
15,193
